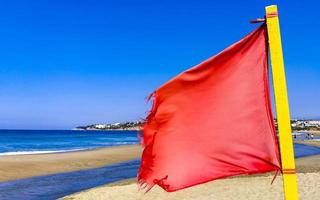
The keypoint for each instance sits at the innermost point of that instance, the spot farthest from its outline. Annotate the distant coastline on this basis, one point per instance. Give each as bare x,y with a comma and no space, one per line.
297,125
302,125
126,126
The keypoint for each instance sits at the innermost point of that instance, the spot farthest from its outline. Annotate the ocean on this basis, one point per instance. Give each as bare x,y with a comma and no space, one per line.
19,142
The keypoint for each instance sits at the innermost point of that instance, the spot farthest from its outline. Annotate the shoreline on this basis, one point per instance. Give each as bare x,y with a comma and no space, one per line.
18,153
92,129
48,152
67,161
316,133
74,160
308,171
89,167
52,163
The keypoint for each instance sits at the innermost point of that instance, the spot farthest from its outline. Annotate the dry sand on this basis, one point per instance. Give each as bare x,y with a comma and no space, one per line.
23,166
244,188
239,188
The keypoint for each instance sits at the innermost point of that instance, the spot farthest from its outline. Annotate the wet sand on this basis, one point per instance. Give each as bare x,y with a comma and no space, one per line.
244,187
237,188
309,142
23,166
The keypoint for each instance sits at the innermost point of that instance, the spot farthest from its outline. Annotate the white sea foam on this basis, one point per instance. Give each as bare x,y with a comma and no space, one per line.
106,144
36,152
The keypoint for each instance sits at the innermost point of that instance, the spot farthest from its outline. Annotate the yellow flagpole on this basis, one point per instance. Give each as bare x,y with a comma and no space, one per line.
282,107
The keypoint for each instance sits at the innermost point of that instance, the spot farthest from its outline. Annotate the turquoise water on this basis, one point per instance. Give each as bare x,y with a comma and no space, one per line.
14,142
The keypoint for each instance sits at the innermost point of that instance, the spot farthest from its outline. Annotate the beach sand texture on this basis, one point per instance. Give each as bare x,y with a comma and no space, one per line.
241,188
23,166
238,188
15,167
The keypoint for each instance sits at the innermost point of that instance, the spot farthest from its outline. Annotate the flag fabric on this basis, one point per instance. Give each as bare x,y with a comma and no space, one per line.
212,121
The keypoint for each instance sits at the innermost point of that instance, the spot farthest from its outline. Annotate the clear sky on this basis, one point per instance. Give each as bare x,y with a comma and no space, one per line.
69,63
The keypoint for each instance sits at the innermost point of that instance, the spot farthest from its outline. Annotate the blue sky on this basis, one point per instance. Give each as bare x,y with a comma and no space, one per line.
69,63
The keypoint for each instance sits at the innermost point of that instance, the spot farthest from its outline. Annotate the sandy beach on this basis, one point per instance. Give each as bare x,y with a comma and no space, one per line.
238,188
249,188
23,166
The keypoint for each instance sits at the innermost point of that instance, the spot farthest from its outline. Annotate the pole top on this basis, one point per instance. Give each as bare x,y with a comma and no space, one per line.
271,11
271,8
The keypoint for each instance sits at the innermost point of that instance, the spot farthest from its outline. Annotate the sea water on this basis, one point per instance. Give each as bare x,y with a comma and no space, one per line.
20,142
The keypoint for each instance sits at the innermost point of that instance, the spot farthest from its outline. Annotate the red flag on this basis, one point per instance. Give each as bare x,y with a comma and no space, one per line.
212,121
